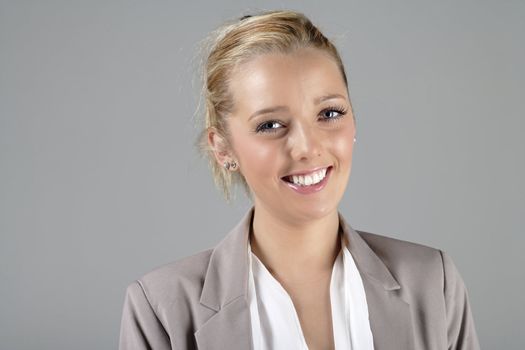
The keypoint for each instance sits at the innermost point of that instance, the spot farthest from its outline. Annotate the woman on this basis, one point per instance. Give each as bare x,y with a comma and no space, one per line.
293,274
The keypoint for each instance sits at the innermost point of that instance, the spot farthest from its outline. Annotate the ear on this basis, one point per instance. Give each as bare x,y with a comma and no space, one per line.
220,146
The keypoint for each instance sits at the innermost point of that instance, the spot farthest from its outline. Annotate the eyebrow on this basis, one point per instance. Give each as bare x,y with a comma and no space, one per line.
268,110
317,101
328,97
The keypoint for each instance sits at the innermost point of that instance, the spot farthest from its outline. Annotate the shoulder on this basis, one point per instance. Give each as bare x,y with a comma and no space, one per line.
431,283
395,250
177,282
412,264
162,307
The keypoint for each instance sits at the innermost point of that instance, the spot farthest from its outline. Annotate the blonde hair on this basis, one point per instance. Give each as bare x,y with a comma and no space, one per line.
235,43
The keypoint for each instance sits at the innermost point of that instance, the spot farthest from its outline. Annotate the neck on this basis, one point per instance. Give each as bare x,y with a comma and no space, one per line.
298,252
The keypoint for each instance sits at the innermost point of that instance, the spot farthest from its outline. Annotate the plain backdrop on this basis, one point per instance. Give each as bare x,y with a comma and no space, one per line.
100,181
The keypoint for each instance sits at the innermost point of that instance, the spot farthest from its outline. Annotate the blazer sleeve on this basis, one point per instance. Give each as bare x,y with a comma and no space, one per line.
461,331
140,327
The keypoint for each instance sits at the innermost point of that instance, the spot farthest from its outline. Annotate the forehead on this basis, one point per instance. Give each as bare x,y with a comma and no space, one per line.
285,78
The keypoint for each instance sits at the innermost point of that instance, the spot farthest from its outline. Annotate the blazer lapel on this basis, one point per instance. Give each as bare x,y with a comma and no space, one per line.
389,314
229,328
225,290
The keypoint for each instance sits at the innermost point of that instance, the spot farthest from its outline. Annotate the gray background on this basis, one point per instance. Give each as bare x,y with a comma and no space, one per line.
100,182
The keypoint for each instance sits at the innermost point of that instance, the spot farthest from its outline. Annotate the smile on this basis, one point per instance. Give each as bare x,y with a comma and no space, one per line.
308,179
310,182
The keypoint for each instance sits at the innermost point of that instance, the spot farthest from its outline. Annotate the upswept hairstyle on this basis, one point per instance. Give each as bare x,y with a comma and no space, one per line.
235,43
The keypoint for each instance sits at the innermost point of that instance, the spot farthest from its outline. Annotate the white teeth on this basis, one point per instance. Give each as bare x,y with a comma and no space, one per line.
308,180
311,179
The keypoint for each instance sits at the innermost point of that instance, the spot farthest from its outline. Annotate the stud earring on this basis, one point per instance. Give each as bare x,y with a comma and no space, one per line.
354,139
230,165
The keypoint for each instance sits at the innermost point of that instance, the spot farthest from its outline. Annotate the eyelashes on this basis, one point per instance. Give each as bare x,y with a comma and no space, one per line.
341,111
268,126
326,115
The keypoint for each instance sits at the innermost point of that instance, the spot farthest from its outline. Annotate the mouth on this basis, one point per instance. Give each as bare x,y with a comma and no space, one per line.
309,182
307,179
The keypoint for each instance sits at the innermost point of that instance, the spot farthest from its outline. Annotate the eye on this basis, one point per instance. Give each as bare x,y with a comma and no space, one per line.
269,126
333,113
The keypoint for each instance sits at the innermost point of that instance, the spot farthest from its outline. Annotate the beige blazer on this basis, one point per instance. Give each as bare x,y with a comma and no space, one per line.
416,297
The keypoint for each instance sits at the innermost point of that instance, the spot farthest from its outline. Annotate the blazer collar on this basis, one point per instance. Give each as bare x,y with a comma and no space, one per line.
366,259
227,274
225,290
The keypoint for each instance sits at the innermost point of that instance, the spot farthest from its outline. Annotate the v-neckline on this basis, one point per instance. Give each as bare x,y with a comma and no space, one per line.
281,292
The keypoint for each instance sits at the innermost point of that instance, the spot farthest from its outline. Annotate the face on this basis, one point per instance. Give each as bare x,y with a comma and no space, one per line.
292,132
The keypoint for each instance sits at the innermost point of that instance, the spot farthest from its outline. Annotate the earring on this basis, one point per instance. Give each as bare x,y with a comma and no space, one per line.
227,165
354,139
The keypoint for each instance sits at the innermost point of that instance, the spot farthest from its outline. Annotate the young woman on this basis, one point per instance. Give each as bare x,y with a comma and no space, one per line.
293,274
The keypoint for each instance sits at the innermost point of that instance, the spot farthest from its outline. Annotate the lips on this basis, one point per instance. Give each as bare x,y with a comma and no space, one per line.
305,172
308,171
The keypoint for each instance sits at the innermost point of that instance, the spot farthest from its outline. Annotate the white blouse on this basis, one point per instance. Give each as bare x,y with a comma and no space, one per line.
274,321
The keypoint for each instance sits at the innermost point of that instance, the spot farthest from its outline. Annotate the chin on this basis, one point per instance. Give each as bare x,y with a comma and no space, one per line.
312,211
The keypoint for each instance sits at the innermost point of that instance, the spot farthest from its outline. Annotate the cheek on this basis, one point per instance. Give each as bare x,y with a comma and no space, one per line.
343,144
255,156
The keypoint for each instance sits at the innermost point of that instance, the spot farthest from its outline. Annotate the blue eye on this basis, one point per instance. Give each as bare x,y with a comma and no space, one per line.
332,113
269,126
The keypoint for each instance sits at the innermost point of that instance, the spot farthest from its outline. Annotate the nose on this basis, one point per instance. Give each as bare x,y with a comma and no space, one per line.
303,142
